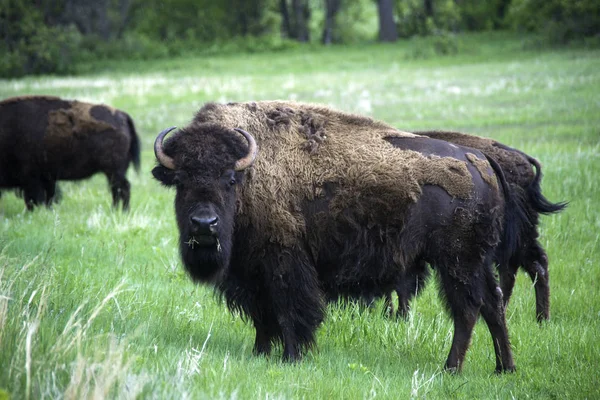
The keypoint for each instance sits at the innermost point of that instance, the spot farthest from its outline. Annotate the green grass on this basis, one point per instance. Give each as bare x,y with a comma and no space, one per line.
94,302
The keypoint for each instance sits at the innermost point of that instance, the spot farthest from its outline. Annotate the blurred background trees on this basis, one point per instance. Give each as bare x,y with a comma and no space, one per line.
52,36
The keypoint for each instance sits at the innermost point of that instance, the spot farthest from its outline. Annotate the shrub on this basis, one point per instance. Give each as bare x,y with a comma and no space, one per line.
559,21
44,50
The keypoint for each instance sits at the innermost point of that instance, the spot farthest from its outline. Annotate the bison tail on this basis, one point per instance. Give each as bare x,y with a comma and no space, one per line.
134,148
517,220
534,193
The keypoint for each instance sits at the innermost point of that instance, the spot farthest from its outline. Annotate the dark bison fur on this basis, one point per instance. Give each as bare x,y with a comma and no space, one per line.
523,173
277,255
45,139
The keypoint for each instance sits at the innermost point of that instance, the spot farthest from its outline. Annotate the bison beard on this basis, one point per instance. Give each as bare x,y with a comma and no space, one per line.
329,224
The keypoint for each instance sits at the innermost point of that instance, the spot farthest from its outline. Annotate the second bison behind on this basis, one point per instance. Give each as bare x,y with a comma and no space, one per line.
280,205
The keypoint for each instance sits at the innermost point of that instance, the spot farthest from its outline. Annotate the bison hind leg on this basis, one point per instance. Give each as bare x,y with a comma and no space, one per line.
493,312
463,295
536,265
467,295
120,188
53,193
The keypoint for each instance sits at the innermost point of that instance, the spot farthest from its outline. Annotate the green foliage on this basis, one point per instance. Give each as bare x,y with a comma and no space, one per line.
32,47
356,22
412,21
477,15
440,44
448,15
559,21
181,19
37,39
205,21
59,36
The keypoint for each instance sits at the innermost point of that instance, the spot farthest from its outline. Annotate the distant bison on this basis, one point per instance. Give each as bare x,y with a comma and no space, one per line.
45,139
315,202
529,254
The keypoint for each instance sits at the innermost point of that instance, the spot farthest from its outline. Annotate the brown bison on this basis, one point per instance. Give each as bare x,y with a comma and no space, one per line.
44,139
314,202
518,168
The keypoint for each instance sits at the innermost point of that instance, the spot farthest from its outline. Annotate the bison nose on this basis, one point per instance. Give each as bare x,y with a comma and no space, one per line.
204,224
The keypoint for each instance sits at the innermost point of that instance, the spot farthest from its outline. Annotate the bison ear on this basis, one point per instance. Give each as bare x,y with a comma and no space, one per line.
164,175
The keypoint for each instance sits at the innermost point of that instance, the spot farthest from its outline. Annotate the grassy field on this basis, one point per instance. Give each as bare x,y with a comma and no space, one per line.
94,302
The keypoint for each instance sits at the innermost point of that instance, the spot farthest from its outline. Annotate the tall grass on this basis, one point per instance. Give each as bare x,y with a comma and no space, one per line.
95,304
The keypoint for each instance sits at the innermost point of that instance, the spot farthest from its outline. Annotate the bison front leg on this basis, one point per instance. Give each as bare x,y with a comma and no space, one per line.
409,286
264,337
34,194
296,300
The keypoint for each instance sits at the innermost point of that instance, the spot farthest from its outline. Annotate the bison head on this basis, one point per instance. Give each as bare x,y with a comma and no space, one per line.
206,163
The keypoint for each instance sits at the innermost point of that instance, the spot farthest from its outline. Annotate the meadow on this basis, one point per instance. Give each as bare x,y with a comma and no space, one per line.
94,302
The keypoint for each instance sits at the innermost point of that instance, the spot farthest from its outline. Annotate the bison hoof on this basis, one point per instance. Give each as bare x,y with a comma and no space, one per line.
543,317
264,350
503,370
291,357
451,370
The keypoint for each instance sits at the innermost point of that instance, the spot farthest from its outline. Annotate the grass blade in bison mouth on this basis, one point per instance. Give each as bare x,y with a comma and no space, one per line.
203,241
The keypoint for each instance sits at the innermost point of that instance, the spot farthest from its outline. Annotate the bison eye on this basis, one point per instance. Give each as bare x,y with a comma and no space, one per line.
178,180
232,181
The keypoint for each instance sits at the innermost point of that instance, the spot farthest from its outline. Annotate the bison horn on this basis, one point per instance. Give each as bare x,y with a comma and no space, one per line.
162,158
248,160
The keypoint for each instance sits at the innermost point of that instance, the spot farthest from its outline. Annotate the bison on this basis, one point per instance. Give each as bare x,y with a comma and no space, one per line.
44,139
315,202
529,254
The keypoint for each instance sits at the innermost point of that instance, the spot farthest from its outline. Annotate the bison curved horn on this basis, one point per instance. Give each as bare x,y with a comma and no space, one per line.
247,160
162,158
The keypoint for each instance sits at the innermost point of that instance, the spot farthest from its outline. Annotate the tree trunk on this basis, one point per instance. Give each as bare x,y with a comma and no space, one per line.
331,9
428,5
501,13
387,26
102,23
301,15
89,17
124,11
286,27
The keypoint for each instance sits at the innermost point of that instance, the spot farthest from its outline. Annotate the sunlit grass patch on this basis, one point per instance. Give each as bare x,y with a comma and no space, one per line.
46,358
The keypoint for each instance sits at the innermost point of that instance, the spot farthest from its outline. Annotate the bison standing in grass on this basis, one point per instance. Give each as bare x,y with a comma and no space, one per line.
529,254
280,205
44,139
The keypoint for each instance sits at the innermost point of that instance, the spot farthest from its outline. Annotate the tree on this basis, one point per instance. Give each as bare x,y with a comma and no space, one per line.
294,20
503,6
301,17
387,26
428,6
286,26
331,9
